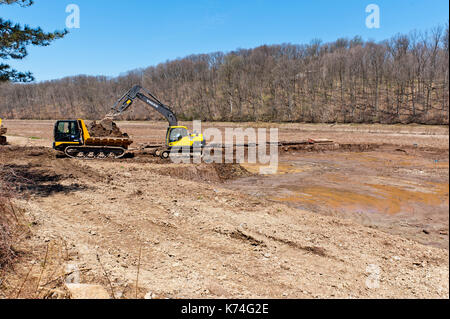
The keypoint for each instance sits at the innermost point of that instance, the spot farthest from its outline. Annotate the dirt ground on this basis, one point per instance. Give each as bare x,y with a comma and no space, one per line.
403,191
332,224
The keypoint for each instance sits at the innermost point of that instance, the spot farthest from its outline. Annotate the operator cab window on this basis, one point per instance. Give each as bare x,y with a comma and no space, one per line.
67,131
176,134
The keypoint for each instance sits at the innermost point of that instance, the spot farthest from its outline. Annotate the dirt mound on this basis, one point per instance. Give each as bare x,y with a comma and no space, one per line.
105,128
230,171
358,147
212,173
332,147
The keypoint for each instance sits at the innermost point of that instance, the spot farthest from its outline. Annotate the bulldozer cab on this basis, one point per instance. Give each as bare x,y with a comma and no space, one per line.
67,131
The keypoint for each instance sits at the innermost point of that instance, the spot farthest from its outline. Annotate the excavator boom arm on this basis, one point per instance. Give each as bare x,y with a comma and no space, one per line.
127,99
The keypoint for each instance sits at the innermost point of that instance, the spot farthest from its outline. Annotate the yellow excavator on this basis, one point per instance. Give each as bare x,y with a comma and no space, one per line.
72,136
3,131
177,137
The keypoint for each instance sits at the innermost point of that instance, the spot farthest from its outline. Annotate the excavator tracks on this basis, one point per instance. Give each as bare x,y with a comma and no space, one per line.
92,152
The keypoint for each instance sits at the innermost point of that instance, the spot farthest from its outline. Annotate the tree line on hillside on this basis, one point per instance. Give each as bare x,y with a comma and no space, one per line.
404,79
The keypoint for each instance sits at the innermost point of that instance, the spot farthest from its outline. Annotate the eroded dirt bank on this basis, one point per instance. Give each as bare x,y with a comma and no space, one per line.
196,238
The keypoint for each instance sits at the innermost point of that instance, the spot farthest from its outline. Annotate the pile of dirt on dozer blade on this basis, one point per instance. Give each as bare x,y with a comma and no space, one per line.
105,128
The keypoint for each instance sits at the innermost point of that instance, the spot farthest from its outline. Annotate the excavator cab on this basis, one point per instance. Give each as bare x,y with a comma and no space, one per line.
178,136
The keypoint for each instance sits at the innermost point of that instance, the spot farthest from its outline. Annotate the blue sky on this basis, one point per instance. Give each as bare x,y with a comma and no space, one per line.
118,36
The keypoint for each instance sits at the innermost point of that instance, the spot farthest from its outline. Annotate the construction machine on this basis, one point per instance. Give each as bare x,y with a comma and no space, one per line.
177,137
3,131
73,138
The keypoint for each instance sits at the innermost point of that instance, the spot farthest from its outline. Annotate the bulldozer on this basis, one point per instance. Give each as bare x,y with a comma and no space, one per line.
3,131
73,138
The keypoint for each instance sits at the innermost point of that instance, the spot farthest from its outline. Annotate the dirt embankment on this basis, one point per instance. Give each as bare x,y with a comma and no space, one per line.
215,173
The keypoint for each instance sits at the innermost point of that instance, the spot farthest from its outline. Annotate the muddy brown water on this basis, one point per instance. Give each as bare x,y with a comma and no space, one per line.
400,191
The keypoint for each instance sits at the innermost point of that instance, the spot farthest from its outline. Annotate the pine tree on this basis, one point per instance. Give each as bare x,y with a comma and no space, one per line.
14,40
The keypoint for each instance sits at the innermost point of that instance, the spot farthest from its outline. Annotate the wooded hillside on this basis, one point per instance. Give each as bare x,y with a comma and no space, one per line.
403,79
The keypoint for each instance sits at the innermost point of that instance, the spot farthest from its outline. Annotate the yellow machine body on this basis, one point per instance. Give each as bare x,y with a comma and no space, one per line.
178,136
